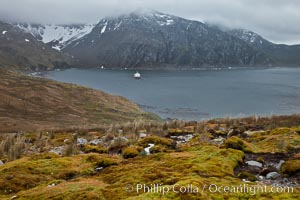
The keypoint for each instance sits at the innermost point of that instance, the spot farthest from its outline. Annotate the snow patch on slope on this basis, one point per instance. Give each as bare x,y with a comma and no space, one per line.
61,35
161,19
104,28
117,26
249,36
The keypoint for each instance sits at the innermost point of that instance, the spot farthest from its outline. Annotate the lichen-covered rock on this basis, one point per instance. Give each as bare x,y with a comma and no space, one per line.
254,163
81,141
273,175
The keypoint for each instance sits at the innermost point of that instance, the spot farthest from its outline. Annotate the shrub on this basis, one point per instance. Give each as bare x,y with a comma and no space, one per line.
93,149
239,144
43,156
13,146
291,167
175,131
130,152
156,140
260,159
68,175
247,175
221,133
117,145
158,149
70,150
106,162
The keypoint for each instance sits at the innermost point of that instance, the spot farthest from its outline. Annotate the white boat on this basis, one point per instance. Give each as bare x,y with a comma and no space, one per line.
137,75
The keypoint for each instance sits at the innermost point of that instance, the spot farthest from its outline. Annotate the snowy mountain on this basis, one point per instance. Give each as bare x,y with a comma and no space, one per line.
154,39
151,39
20,50
58,36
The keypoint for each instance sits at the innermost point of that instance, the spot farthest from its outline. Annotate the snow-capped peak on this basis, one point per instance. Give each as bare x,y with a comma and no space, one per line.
134,18
162,19
153,15
248,36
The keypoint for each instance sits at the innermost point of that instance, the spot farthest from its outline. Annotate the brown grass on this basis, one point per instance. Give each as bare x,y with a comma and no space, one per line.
28,103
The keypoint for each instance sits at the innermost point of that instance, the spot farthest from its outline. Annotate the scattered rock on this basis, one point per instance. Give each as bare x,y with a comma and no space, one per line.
182,138
285,180
96,142
220,140
125,139
66,140
250,133
1,163
142,135
233,132
265,171
254,163
81,141
260,178
57,150
273,175
118,140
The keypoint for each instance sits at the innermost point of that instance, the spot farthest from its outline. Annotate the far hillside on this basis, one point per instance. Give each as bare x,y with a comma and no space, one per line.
28,103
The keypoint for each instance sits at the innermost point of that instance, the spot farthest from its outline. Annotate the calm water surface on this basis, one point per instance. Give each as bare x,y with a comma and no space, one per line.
195,95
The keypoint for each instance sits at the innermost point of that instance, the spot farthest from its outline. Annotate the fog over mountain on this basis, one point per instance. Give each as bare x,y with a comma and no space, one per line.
275,20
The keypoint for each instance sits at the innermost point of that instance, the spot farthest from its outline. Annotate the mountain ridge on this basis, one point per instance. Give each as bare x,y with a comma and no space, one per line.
31,103
283,54
154,40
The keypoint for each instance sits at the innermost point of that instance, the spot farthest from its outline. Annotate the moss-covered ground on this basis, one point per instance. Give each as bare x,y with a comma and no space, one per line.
95,173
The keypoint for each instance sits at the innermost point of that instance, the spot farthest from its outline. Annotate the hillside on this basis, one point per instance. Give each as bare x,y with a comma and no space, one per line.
284,55
28,103
21,51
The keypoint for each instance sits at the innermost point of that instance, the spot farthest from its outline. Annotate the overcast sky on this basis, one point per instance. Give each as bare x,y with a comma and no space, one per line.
276,20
